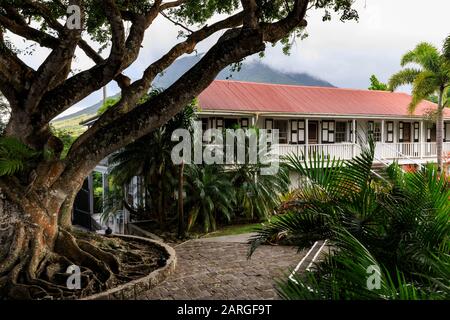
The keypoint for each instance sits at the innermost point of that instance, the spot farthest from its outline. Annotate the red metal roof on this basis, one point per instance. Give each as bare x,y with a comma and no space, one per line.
237,96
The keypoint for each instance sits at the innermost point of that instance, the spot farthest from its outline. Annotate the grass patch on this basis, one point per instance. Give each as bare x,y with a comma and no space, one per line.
234,230
72,126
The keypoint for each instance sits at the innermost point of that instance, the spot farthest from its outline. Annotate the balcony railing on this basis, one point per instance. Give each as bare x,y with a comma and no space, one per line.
345,151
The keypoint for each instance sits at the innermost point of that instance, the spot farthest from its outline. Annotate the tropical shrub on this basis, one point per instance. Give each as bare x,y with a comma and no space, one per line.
150,159
258,195
398,227
14,156
209,195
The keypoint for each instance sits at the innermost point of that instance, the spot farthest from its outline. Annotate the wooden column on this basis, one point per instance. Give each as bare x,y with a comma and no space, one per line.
354,136
306,138
422,139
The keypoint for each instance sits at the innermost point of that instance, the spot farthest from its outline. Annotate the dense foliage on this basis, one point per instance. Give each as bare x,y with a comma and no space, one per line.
376,84
400,228
427,69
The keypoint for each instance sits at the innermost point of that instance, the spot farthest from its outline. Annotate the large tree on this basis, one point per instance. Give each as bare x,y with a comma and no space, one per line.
429,75
37,200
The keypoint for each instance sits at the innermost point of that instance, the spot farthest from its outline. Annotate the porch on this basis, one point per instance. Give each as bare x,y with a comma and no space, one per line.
404,153
408,140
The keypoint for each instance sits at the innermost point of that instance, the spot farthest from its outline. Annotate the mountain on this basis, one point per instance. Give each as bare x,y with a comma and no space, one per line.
92,110
254,71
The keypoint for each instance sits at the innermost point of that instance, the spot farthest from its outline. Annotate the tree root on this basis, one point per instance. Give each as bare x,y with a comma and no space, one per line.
33,270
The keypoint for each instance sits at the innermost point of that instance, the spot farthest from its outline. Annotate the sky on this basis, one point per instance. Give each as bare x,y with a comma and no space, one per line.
345,54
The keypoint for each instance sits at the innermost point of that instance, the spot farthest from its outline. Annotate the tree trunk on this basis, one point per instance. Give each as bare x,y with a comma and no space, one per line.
440,132
36,248
181,229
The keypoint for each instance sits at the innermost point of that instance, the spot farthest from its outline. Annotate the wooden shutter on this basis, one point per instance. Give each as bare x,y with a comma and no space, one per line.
328,131
400,131
294,132
416,133
301,131
370,128
390,131
446,132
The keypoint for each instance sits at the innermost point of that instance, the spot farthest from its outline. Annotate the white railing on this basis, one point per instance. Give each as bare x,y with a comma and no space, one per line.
344,151
385,151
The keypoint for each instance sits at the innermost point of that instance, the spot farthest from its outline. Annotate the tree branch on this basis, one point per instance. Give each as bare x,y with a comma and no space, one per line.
55,67
49,41
81,85
14,74
233,46
131,95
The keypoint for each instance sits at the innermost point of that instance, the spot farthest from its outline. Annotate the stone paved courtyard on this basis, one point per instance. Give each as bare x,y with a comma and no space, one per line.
219,270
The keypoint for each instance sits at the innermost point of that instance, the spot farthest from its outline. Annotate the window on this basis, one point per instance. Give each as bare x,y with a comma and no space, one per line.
401,126
374,130
416,132
390,131
282,126
244,123
446,132
341,131
297,131
328,131
377,132
205,122
219,123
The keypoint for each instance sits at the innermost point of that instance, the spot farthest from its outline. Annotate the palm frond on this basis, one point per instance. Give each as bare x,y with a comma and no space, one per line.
403,77
446,49
425,55
424,86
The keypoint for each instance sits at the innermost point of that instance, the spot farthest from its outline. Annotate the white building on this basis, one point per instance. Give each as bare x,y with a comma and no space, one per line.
323,120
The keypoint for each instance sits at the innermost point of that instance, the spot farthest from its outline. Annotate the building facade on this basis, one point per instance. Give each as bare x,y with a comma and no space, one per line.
327,121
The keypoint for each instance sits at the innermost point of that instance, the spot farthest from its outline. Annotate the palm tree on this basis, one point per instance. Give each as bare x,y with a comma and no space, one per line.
150,159
398,227
429,76
209,195
258,195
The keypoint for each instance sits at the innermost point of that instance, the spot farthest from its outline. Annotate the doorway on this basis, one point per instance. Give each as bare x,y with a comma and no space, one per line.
313,132
406,132
282,126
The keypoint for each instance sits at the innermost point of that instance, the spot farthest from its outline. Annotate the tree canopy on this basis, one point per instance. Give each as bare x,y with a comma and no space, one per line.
38,96
110,33
376,84
427,69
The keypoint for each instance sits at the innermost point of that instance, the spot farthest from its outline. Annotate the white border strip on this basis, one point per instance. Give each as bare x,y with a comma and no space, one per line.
291,276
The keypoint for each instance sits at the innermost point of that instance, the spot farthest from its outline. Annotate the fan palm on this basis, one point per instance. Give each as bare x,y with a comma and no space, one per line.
150,159
209,195
258,195
400,228
430,75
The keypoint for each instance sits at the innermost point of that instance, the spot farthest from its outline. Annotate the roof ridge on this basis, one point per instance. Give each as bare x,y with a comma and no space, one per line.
313,87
